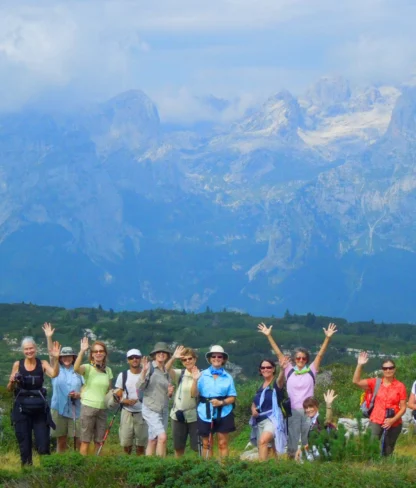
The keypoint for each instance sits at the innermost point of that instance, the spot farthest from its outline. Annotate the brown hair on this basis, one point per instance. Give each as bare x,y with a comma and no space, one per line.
311,402
271,362
99,343
188,351
73,359
388,360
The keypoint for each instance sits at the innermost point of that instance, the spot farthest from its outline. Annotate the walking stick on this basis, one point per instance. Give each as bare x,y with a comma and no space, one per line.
108,429
74,418
211,435
199,446
210,440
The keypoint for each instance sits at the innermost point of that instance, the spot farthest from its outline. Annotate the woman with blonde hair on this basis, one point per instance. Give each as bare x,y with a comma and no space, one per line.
97,381
183,413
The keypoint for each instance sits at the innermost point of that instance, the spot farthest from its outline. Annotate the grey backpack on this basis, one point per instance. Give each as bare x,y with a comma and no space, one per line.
366,410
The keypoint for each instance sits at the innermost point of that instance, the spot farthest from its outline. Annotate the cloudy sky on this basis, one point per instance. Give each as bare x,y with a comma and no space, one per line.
177,51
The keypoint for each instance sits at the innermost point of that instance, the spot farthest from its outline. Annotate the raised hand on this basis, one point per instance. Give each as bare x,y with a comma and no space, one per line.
330,331
264,329
178,352
56,350
329,397
145,364
362,358
284,362
84,344
47,329
195,373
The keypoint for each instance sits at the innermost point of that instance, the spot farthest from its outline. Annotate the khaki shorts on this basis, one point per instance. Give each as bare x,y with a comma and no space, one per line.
93,423
64,426
132,427
265,425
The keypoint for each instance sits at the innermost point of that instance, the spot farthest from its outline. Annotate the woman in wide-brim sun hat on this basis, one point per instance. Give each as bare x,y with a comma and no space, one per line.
216,395
154,386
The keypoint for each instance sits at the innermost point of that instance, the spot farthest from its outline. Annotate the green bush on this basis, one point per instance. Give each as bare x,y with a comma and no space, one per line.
71,470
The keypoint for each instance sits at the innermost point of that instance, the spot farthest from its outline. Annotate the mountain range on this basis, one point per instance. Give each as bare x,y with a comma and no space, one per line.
304,203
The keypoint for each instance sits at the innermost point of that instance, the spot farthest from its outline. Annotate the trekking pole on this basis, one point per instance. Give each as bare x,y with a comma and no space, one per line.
210,439
383,438
108,429
199,446
74,418
211,435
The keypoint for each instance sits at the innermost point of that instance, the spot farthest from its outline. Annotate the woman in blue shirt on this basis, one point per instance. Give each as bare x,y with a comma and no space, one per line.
216,391
65,403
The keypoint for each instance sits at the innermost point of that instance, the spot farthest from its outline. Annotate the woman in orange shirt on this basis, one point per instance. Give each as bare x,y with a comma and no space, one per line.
389,404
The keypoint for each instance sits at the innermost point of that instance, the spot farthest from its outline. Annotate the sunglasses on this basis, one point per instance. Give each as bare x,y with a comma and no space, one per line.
266,367
217,357
388,368
99,351
300,358
186,359
133,357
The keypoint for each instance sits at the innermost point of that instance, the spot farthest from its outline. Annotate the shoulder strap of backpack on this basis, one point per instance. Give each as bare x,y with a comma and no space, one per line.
181,377
376,388
313,376
149,374
293,370
21,365
39,365
124,381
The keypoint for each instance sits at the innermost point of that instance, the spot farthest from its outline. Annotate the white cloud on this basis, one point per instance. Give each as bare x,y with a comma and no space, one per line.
93,49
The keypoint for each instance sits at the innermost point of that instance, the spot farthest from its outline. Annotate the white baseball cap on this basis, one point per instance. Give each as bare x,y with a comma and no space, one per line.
134,352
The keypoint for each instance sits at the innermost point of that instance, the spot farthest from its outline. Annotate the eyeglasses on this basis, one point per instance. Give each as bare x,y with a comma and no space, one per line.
388,368
186,359
300,358
99,351
133,357
266,367
217,357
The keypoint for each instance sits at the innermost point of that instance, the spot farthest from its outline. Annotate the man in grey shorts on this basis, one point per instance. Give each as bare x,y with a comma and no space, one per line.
133,428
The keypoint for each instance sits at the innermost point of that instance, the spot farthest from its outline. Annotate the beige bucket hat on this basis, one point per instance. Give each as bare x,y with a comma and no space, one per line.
216,349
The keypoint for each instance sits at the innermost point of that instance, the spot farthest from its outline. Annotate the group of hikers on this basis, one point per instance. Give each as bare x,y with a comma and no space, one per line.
284,411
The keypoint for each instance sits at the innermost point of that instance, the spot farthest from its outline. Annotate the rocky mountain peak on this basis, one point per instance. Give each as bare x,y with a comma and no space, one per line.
279,116
403,120
129,119
329,93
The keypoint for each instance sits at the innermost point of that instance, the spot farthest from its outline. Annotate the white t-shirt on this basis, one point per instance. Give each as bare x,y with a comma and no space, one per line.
131,383
414,388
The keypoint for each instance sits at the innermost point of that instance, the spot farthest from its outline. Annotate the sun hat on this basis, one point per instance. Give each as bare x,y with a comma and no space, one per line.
67,351
161,347
216,349
134,352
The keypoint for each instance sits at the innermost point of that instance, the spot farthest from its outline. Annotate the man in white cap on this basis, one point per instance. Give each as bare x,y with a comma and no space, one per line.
133,429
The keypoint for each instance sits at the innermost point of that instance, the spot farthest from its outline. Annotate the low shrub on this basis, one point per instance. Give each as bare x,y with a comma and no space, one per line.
58,471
